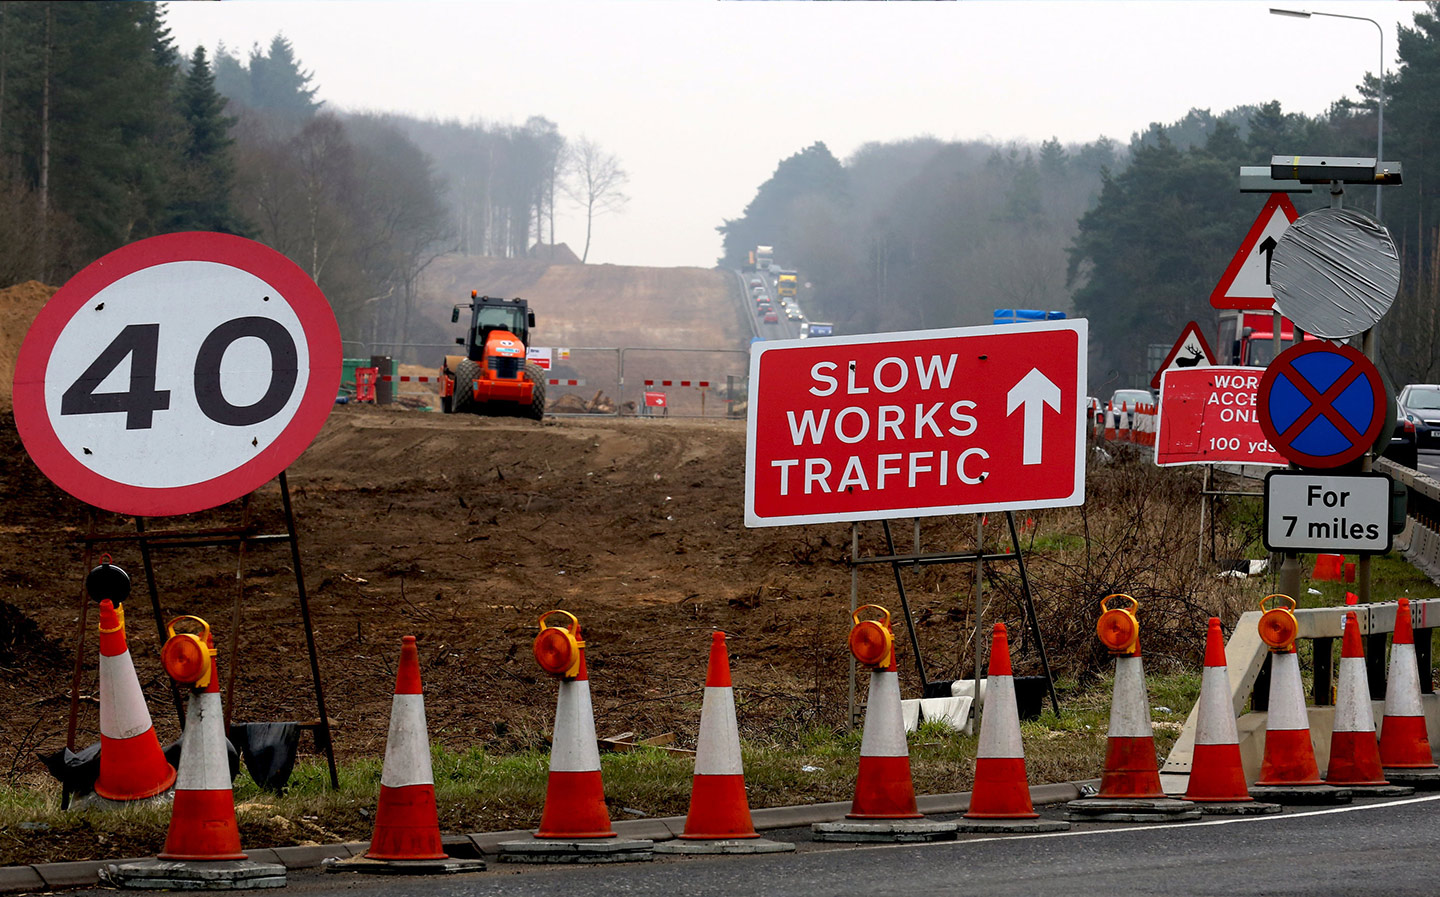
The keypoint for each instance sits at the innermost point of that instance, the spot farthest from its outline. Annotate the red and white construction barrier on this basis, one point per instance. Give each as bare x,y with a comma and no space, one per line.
698,384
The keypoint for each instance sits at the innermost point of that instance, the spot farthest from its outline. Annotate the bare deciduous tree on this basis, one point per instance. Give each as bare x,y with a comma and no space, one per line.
596,183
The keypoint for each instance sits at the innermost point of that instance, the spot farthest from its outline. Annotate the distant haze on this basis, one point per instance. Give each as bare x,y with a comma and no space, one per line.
702,99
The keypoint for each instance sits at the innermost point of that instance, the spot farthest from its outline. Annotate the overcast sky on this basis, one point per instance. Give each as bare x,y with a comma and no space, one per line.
701,99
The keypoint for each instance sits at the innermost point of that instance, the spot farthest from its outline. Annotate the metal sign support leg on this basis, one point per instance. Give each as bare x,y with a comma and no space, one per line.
309,630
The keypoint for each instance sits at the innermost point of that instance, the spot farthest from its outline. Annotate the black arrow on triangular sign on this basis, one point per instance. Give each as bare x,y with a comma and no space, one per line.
1268,247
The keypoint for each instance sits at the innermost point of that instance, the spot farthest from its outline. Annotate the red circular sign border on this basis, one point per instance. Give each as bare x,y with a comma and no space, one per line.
322,337
1367,371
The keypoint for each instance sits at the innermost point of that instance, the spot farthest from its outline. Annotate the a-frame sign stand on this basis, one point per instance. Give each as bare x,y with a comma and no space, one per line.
243,535
917,559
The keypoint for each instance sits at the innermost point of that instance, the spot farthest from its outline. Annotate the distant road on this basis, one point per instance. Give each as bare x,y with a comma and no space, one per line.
1375,847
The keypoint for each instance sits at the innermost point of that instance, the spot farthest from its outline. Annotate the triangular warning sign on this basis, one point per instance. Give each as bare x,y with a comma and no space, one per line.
1189,351
1246,282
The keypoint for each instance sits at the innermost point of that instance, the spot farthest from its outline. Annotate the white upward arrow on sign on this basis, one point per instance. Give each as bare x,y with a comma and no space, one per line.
1034,392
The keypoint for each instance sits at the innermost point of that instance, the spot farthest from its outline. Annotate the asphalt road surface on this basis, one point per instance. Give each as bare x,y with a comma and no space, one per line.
1374,847
1430,464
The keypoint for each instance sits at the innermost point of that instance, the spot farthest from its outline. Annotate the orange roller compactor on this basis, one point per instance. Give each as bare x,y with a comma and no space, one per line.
493,377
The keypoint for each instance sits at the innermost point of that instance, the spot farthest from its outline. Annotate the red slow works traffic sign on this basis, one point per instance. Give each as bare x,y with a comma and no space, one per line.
916,424
176,374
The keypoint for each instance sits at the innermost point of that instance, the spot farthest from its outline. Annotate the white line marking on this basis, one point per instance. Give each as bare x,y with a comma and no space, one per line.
1124,829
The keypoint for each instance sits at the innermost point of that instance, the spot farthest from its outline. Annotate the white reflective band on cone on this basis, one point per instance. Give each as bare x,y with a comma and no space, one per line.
1402,689
574,748
1217,714
123,713
204,757
718,750
884,734
1287,694
1353,711
407,747
1000,727
1130,707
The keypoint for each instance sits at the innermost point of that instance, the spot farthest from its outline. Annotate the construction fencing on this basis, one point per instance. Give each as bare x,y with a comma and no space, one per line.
610,380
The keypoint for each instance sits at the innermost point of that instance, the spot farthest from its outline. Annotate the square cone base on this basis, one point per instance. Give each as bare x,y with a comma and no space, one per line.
1013,826
724,845
185,875
596,850
1302,795
1419,779
897,831
446,866
1236,807
1131,809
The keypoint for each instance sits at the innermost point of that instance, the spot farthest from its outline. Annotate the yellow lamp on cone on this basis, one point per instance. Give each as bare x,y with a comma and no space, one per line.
1278,626
557,649
1118,629
871,641
189,657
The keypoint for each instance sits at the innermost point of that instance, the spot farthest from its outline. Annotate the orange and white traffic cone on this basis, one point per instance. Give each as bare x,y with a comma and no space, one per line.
719,815
1405,752
575,791
202,847
407,822
884,807
132,765
1130,783
1217,777
1110,422
1000,798
1354,749
202,823
1288,771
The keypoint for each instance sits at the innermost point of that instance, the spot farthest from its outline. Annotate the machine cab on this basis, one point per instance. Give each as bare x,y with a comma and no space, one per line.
490,316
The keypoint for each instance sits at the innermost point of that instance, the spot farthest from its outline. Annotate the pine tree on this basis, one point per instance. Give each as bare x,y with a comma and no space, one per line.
203,200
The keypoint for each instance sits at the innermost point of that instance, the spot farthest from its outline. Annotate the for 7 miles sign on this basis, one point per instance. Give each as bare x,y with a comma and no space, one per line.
916,424
176,374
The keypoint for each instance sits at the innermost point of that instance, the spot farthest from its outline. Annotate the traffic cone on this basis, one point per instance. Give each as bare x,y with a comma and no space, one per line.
1110,421
574,792
718,807
1216,774
883,786
407,823
1130,767
202,823
1001,789
1404,743
1354,750
132,765
1289,755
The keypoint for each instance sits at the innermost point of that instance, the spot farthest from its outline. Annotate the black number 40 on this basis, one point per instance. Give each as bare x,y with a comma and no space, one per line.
140,343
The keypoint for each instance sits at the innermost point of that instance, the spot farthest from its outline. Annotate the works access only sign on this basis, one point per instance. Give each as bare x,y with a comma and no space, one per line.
916,424
1209,416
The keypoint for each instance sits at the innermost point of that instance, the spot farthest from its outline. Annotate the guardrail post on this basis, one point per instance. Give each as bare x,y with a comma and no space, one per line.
1375,664
1422,659
1324,664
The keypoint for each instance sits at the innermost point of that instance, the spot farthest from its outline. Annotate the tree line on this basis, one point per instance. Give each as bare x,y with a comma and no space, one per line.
109,135
924,233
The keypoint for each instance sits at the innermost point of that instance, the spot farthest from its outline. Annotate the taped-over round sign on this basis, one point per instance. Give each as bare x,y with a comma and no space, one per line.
176,374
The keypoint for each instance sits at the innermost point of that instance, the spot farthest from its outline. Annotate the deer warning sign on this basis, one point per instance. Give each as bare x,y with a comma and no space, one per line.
1189,351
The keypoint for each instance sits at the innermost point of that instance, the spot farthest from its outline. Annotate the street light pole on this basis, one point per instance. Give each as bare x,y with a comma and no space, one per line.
1380,97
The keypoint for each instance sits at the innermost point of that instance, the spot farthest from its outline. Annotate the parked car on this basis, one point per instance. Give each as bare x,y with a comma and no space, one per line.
1420,403
1095,411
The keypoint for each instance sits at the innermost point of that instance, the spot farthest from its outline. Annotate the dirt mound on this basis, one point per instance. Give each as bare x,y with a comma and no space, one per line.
555,253
18,307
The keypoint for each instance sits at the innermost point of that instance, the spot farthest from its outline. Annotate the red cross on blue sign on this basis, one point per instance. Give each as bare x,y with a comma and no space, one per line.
1321,405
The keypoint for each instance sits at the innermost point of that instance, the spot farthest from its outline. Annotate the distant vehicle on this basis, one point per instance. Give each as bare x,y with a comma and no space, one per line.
1420,403
1247,338
1123,402
771,317
757,291
818,329
764,308
1095,410
756,282
1025,315
788,283
793,313
764,257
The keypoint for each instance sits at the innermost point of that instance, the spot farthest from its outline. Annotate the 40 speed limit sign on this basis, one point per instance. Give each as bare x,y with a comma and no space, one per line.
176,374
